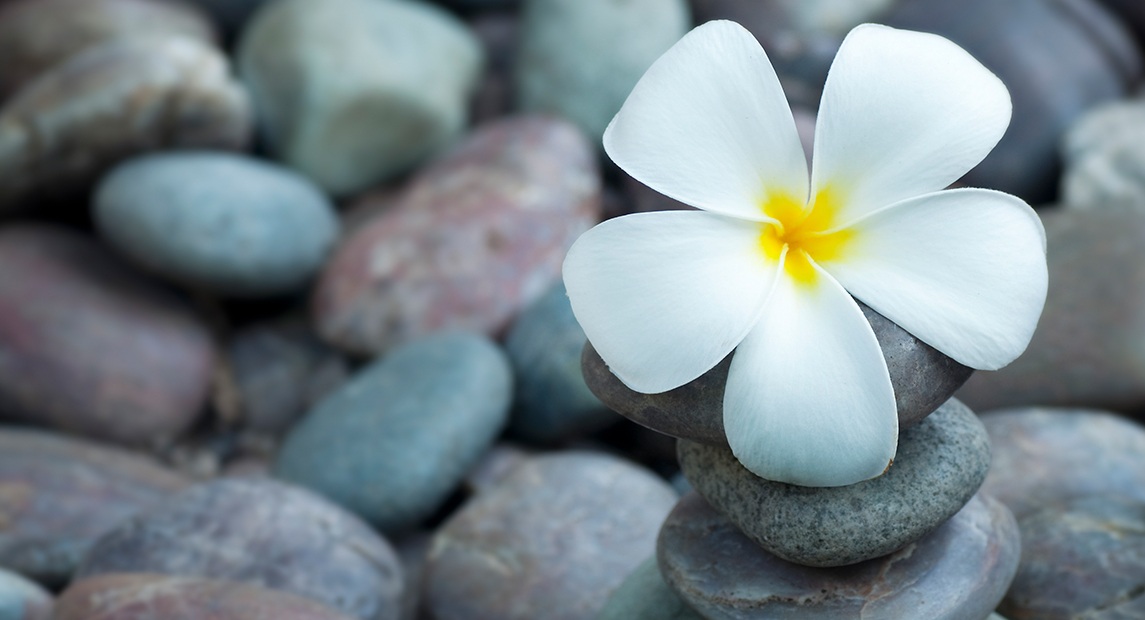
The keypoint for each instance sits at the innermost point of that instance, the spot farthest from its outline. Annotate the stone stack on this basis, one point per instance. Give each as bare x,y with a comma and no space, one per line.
918,541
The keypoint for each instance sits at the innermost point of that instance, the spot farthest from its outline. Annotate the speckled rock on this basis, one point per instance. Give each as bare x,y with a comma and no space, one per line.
552,402
281,369
353,92
580,58
110,102
939,466
922,377
260,532
958,572
36,34
494,466
226,236
478,236
645,596
1105,160
552,541
1058,59
1085,559
57,495
1044,457
133,366
395,440
21,599
146,597
1080,354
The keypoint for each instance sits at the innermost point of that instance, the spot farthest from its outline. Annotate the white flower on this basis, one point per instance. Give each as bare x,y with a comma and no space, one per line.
769,264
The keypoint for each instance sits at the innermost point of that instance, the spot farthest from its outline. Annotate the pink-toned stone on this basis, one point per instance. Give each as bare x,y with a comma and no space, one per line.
478,235
88,346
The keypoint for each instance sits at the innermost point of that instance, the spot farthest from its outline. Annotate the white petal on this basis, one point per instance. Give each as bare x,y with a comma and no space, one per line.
903,113
808,399
963,270
664,296
708,125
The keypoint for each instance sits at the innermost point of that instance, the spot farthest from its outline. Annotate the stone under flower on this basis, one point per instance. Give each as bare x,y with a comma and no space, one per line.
772,263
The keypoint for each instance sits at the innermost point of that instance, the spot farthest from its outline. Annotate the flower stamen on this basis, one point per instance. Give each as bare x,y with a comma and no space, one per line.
804,231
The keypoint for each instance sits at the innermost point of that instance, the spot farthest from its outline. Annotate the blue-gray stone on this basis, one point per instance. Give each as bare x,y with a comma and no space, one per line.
552,401
939,466
645,596
392,443
580,58
21,599
227,223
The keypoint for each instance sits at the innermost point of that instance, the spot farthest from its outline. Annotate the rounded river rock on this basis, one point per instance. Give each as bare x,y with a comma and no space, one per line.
939,466
922,377
958,572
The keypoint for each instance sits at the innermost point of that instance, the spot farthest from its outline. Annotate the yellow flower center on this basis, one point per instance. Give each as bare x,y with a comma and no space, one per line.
805,231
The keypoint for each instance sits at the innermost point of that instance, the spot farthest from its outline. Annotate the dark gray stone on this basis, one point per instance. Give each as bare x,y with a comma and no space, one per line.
552,540
922,377
552,401
261,532
230,224
958,572
645,596
580,58
1045,457
396,439
939,466
1084,559
21,599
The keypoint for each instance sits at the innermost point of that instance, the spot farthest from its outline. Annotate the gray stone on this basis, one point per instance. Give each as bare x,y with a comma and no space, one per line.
922,377
354,92
580,58
958,572
1081,354
1105,159
112,101
37,34
21,599
645,596
396,439
939,466
495,466
227,223
1044,457
552,541
263,533
1084,559
552,402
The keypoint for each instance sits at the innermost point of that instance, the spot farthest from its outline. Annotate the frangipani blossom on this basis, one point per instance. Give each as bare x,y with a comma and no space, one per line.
770,263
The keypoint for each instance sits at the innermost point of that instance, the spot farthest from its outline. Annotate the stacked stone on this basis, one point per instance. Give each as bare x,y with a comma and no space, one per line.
917,541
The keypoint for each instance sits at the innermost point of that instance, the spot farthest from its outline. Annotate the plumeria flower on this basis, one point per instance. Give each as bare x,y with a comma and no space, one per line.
769,264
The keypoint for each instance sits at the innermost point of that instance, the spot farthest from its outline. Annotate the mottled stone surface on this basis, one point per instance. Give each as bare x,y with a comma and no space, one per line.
260,532
36,34
958,572
147,597
399,436
922,377
579,59
282,369
939,466
21,599
133,366
353,92
1105,159
1044,457
552,402
479,235
1084,559
110,102
255,230
494,466
57,495
645,596
1058,59
1086,351
552,541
